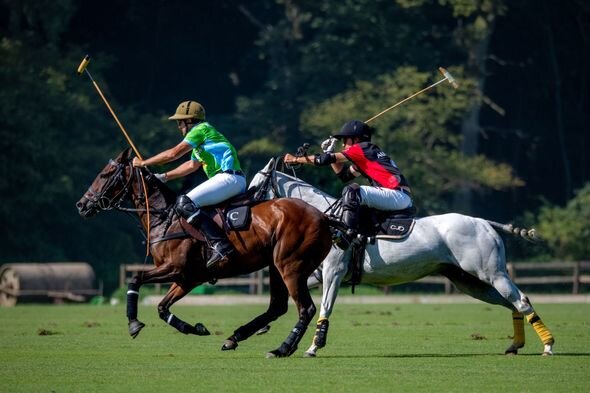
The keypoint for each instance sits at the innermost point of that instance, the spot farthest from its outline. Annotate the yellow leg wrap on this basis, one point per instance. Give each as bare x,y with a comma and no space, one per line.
542,331
518,325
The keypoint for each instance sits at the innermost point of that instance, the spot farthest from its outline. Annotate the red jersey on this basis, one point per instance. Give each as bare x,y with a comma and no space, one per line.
375,165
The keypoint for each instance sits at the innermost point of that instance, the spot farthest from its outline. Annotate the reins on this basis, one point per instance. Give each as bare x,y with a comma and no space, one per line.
114,202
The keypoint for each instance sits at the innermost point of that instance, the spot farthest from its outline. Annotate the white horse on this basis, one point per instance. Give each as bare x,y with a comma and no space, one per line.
466,250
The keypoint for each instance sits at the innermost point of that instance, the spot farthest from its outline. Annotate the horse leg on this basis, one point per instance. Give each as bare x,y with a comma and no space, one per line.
300,293
504,292
518,337
174,294
279,303
480,290
162,274
333,272
521,303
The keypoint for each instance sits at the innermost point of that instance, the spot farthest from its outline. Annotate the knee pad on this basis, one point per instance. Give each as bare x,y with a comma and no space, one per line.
351,197
185,207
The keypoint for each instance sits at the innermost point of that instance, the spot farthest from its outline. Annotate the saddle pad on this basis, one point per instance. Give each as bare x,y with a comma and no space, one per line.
238,218
396,228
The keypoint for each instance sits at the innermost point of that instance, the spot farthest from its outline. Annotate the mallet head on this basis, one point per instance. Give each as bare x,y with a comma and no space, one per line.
449,77
83,64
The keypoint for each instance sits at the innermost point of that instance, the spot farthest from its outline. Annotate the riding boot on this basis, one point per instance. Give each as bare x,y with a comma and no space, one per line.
351,204
219,244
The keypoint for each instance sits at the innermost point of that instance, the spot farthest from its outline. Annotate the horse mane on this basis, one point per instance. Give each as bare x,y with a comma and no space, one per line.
168,194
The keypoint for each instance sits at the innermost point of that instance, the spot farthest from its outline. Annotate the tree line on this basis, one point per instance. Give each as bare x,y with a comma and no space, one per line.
508,144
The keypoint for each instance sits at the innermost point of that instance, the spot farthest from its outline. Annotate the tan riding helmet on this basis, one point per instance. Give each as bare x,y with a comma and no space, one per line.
189,110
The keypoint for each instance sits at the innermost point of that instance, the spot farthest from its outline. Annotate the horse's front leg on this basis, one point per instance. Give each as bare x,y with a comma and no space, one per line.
175,293
333,272
161,274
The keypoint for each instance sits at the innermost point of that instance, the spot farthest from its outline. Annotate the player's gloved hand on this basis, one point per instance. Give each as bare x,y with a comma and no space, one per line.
161,177
328,145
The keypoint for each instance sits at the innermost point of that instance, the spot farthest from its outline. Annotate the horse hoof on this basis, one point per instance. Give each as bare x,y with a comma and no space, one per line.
201,330
135,327
512,350
229,344
263,330
274,354
548,349
309,355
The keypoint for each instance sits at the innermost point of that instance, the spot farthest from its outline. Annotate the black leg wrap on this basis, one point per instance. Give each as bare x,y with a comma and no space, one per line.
180,325
132,297
321,333
183,327
243,332
290,344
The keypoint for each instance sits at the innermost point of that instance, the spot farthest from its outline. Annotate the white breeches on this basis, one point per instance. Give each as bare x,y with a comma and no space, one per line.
384,198
217,189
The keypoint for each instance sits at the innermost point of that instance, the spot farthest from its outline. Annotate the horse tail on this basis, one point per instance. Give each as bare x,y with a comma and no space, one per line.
527,234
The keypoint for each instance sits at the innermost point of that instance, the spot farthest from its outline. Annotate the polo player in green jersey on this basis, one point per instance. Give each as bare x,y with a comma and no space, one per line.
219,160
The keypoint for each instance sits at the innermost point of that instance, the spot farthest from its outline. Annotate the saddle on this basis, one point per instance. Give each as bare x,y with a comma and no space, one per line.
233,214
378,224
396,224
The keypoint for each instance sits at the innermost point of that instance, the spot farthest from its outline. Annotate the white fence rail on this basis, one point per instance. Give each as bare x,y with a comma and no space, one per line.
541,274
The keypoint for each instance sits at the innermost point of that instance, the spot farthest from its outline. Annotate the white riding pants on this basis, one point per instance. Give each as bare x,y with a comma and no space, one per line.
384,198
217,189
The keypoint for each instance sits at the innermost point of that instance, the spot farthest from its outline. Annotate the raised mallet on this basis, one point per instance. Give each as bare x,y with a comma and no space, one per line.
83,67
447,77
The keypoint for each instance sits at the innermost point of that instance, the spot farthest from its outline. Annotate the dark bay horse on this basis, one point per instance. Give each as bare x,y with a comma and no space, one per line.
288,235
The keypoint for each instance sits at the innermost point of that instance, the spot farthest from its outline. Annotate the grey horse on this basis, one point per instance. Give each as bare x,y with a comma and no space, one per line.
466,250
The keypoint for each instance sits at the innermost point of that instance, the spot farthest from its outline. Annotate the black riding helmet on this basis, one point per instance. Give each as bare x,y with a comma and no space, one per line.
355,128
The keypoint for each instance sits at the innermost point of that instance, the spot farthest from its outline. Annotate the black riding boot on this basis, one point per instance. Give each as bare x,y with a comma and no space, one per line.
220,245
351,204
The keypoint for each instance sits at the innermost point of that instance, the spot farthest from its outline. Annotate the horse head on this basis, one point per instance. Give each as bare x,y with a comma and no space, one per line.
110,187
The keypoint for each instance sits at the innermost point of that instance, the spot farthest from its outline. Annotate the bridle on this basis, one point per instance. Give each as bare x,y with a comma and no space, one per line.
101,201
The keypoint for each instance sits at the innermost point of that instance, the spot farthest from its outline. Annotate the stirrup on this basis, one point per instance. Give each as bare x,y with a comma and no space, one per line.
217,257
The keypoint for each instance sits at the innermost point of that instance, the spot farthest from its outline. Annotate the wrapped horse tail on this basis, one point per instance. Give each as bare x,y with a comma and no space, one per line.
527,234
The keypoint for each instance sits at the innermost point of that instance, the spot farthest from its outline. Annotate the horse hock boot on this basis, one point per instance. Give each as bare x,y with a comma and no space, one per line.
219,244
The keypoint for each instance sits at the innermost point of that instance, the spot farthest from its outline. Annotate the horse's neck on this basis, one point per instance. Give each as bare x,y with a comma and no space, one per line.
295,188
155,202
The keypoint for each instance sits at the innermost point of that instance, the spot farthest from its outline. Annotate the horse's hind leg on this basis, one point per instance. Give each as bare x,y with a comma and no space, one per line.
297,286
521,303
279,303
504,292
174,294
478,289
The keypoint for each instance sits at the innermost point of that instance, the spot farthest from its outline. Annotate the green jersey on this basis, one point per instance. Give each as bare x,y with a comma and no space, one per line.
212,149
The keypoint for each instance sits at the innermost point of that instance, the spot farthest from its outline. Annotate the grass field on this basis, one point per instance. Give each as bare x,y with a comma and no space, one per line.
371,348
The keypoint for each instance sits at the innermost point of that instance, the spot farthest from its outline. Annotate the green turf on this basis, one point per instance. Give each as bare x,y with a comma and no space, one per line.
371,348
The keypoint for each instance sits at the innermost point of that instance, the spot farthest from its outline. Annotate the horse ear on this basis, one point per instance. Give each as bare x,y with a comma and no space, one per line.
270,165
124,156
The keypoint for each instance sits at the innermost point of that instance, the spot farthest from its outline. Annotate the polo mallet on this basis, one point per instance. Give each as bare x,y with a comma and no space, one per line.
83,67
447,77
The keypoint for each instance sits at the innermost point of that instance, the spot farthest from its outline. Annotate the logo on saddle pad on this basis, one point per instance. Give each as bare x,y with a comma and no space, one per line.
396,228
238,218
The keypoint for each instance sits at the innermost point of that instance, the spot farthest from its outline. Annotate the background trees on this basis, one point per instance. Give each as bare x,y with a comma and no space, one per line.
275,74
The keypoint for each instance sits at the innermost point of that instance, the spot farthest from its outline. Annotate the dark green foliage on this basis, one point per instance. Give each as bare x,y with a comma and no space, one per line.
275,74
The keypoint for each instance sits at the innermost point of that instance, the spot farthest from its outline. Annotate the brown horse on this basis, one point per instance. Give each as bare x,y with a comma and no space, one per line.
289,236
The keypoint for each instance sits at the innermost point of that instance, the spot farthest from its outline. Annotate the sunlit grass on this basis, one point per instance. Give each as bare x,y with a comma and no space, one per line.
374,348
